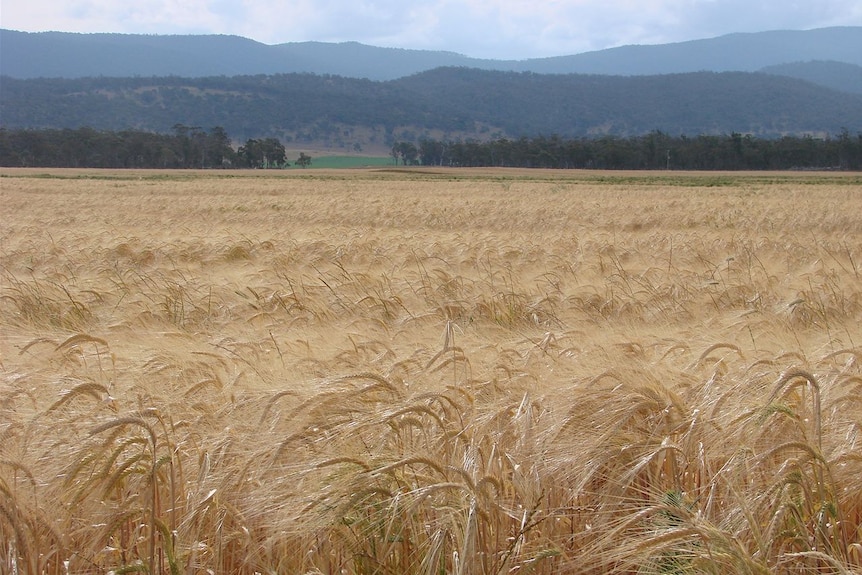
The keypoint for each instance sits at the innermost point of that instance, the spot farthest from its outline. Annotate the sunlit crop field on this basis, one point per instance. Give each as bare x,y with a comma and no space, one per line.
430,372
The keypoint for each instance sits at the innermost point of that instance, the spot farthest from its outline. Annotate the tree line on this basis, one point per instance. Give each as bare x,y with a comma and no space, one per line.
652,151
185,147
193,147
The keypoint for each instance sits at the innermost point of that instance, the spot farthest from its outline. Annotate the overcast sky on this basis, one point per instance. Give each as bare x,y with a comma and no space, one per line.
502,29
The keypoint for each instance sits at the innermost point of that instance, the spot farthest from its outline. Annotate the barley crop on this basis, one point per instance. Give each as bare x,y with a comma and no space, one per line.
408,372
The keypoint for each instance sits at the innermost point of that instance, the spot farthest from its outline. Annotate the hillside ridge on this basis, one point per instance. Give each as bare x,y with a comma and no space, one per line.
74,55
347,114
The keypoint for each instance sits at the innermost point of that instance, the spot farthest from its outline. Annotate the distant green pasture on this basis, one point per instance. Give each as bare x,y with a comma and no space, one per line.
346,161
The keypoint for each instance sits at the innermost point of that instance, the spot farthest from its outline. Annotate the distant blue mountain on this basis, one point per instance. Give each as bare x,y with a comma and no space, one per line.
67,55
836,75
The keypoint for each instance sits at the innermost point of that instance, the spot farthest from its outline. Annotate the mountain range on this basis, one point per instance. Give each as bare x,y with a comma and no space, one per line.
351,97
72,55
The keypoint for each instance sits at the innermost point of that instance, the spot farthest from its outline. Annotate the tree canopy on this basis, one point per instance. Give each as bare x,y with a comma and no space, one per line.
653,151
193,147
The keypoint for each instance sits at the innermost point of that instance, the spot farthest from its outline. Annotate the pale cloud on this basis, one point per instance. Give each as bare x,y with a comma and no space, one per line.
141,16
483,28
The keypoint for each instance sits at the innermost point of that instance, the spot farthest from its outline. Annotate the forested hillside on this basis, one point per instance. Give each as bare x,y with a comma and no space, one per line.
450,103
831,74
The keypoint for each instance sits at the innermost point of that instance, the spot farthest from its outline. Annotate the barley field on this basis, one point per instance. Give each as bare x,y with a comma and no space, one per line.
430,372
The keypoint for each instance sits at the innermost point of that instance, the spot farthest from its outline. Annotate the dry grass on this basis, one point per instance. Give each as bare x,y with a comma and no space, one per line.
469,372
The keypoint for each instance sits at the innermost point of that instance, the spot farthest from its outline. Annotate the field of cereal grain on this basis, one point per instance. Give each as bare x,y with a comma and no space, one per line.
427,372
